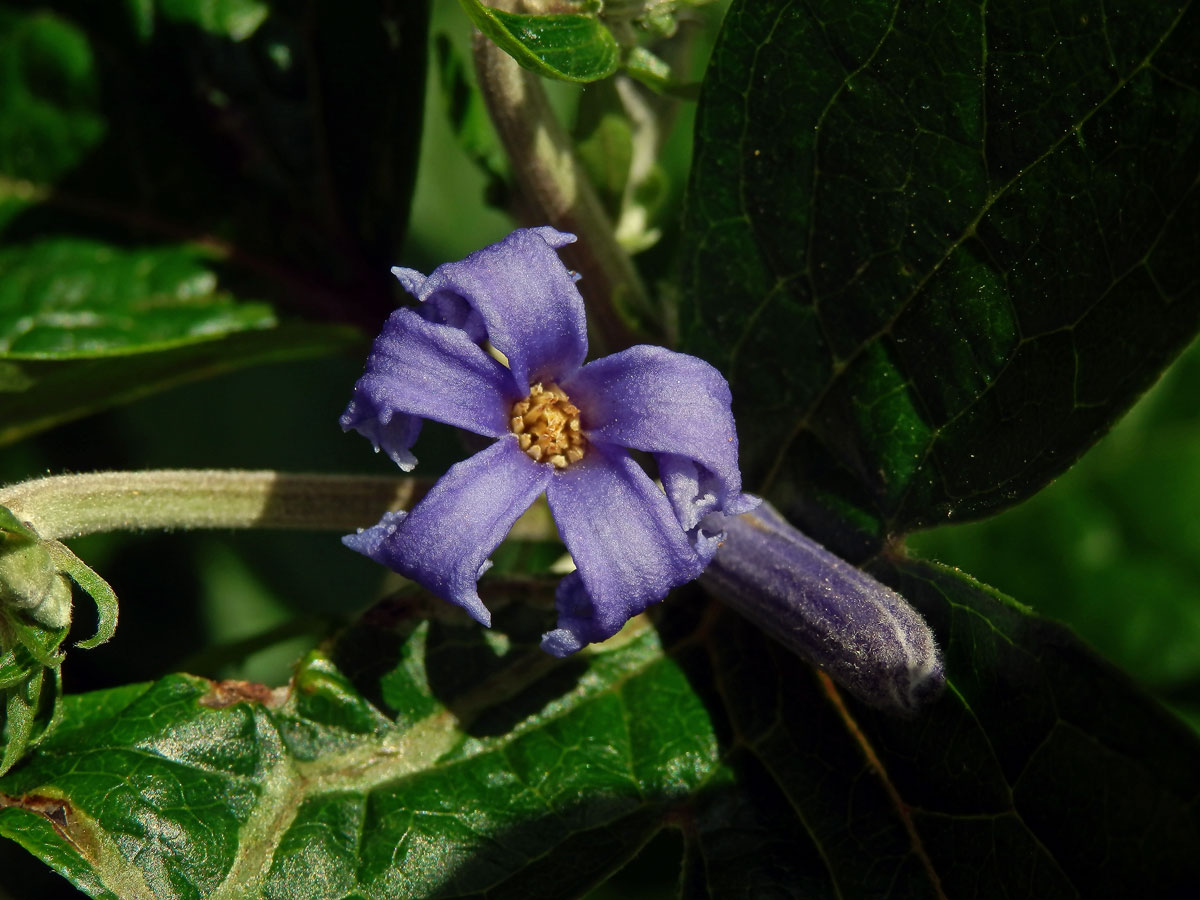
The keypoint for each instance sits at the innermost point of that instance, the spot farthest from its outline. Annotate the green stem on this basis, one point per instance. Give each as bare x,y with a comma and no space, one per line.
66,506
553,189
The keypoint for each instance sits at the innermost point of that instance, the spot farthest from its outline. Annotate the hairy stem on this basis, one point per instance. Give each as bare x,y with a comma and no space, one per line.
63,506
554,190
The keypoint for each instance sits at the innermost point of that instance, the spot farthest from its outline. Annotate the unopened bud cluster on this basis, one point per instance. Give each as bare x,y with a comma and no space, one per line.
31,581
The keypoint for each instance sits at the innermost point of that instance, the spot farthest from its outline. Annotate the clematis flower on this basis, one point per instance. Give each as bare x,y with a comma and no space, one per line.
560,427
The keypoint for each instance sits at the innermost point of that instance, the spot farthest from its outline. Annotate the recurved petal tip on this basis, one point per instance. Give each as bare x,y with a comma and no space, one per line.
410,279
560,642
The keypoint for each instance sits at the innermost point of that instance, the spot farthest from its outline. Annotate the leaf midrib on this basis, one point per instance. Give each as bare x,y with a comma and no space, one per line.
417,749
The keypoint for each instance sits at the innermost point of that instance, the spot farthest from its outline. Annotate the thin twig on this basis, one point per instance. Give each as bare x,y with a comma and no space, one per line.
553,189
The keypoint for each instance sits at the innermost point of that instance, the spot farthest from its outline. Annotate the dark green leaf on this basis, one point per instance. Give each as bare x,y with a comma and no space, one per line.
1071,768
37,393
173,173
493,759
567,46
1111,547
1042,772
939,248
478,765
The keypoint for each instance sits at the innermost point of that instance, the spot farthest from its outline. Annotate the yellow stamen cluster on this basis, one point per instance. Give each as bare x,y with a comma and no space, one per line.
546,424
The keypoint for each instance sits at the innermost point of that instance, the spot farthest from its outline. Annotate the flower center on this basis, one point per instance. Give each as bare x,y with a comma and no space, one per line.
546,424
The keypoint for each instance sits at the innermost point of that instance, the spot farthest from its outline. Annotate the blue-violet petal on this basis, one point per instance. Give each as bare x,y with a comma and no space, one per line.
527,299
628,548
696,495
421,369
678,408
443,308
444,542
387,430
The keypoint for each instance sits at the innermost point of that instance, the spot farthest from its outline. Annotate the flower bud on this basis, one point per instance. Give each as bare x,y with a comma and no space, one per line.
827,611
30,581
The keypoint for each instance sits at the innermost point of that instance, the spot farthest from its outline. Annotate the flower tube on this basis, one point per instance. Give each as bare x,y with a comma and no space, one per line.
830,613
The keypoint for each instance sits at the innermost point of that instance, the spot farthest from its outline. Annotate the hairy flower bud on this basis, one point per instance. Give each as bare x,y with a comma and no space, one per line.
30,581
830,613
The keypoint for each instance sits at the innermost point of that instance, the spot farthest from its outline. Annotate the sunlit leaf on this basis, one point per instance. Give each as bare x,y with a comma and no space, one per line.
566,46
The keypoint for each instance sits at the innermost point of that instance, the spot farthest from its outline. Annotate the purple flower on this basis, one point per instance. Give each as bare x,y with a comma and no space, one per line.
560,427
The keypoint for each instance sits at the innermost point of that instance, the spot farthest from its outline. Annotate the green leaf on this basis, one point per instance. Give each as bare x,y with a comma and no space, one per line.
237,19
85,324
52,117
36,393
430,757
70,299
31,581
242,124
30,707
35,612
39,642
30,684
938,249
268,794
1110,547
648,69
95,587
10,523
187,172
567,46
1042,772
